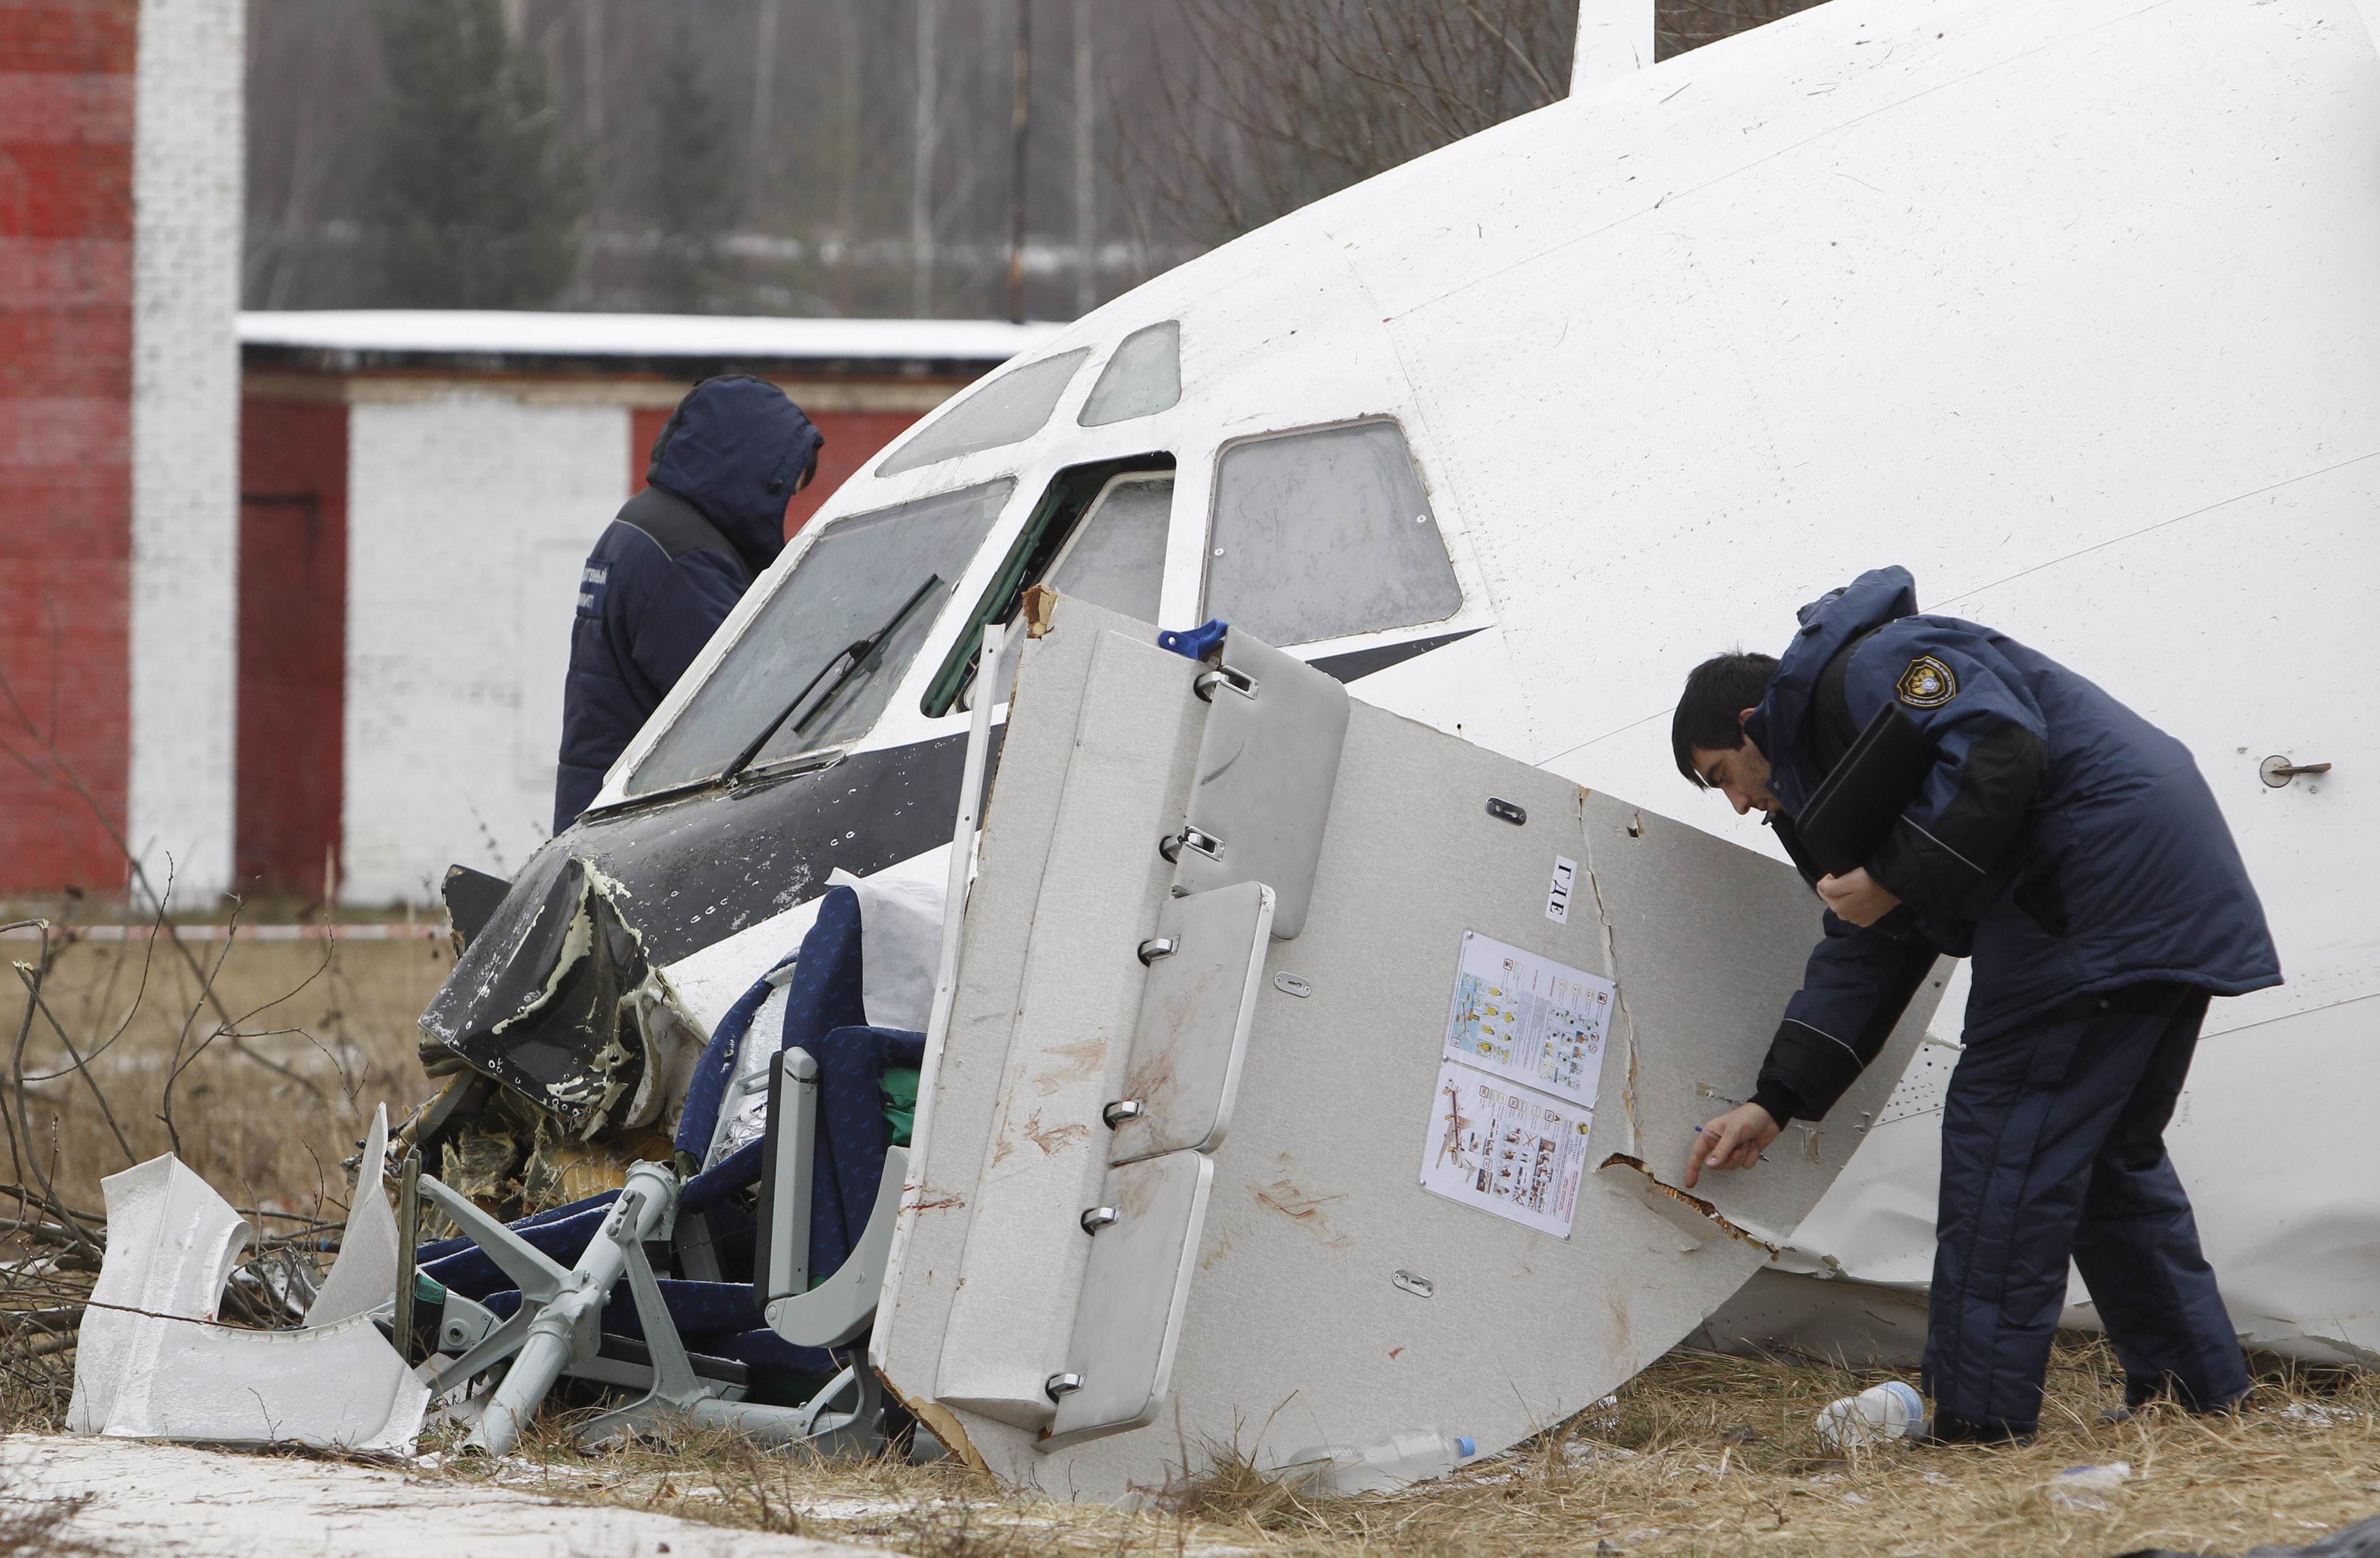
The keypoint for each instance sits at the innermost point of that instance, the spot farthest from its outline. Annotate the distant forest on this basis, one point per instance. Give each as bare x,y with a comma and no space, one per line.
845,157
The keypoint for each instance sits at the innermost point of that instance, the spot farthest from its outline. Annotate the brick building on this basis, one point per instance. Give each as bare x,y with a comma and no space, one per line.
417,491
312,630
120,170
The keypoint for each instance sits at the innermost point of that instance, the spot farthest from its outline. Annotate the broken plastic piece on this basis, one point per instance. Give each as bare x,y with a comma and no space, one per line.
364,1276
1889,1411
153,1363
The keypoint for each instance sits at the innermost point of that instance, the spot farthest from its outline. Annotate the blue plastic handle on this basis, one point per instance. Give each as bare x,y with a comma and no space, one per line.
1195,643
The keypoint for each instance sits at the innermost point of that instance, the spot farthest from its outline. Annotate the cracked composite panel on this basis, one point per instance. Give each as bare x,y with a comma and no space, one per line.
564,1005
1330,1298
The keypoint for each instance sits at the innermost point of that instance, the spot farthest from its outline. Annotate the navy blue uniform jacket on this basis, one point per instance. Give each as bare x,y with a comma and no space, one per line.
2066,843
666,572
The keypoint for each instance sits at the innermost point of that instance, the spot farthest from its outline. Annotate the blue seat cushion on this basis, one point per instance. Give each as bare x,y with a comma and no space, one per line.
822,993
852,1134
559,1235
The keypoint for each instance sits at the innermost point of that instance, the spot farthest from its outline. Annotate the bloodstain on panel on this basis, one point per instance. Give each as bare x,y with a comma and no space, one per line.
1072,1063
1303,1208
1053,1139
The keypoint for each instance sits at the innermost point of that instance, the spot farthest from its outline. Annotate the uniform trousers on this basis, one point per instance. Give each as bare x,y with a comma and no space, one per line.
2053,1147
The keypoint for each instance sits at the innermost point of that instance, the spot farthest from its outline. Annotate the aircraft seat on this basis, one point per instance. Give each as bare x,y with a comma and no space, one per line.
827,1160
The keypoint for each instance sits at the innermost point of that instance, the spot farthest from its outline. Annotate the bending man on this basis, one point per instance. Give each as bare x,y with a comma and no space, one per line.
2073,849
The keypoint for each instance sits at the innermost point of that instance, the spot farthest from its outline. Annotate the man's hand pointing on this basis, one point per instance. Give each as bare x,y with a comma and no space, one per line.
1734,1140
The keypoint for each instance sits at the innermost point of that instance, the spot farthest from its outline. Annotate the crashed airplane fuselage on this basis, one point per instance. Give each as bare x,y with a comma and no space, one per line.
2066,305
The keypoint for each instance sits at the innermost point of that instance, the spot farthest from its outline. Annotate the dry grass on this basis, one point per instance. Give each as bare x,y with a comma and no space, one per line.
320,1034
1700,1455
336,1019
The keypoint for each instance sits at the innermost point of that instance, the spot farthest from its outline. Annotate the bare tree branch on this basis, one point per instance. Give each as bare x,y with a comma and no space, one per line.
32,983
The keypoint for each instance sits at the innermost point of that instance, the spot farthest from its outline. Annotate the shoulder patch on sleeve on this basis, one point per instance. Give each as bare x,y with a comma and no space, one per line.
593,579
1928,684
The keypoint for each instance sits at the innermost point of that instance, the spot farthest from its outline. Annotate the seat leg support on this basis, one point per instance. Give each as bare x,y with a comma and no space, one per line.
563,1327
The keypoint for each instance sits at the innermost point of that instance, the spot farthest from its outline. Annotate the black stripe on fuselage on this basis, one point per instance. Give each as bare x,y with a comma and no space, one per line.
1356,664
699,868
717,861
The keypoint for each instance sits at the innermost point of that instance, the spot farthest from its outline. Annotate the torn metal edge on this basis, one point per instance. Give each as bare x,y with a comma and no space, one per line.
1693,1203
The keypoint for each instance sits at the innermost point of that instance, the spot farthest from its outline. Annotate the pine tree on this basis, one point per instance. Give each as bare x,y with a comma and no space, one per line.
477,200
692,197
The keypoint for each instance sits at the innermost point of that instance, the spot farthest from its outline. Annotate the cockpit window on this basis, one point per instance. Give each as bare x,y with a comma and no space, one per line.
1325,533
1097,533
1143,378
817,665
1009,410
1117,557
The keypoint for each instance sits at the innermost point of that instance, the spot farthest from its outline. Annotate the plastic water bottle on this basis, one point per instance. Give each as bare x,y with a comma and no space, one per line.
1381,1466
1891,1410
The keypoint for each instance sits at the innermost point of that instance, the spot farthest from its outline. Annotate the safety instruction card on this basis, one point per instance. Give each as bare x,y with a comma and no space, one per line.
1517,1154
1528,1019
1516,1083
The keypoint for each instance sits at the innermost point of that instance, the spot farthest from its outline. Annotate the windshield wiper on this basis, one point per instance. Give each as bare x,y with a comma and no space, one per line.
851,657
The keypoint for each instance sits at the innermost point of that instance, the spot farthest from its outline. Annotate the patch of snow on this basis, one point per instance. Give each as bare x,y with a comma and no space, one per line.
500,333
171,1501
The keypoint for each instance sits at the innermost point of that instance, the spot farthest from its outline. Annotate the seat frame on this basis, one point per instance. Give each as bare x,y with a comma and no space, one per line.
556,1331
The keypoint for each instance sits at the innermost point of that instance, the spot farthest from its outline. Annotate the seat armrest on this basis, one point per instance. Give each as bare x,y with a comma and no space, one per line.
780,1251
840,1308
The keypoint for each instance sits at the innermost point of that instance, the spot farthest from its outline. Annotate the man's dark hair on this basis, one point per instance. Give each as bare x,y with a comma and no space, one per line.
1718,691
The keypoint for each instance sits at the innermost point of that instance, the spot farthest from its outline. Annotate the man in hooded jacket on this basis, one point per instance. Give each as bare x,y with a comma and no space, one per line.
669,568
2075,852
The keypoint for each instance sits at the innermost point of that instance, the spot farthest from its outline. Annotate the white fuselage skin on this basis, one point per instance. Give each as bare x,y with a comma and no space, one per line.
2068,306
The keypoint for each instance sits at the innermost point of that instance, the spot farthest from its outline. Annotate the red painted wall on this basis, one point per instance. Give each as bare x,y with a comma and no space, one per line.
853,439
293,636
65,434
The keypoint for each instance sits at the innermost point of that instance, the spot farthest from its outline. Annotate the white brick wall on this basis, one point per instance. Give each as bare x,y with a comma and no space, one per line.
469,515
188,168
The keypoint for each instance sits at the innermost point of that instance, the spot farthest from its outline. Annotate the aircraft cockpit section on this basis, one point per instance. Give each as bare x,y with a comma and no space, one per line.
1515,432
822,729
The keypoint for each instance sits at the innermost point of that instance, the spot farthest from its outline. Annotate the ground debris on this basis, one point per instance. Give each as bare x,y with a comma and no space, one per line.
1700,1454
